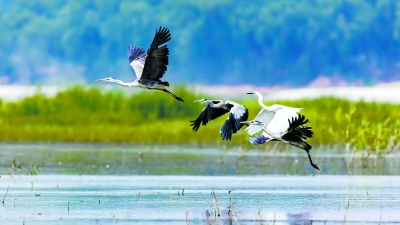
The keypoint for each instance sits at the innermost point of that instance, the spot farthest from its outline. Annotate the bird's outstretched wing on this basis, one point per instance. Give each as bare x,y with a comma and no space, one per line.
264,116
208,113
157,57
280,121
238,113
137,58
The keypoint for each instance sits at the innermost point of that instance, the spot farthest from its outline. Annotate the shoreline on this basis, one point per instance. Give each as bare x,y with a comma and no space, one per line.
378,93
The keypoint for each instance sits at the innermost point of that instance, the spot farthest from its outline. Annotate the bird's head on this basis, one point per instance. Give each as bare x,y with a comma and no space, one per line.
107,79
253,122
201,101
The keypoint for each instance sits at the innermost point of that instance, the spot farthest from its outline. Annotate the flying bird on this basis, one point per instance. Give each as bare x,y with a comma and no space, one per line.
151,67
216,108
275,117
295,135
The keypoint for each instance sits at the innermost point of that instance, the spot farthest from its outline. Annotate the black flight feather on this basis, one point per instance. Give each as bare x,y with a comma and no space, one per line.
157,57
206,115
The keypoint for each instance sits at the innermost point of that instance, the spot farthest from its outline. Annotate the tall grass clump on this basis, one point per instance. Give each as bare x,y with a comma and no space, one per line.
368,127
81,114
82,106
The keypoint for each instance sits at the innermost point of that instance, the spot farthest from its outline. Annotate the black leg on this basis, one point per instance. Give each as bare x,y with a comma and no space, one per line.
171,94
311,162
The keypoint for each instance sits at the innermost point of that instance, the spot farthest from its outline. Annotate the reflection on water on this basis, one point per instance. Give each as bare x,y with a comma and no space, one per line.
86,199
182,160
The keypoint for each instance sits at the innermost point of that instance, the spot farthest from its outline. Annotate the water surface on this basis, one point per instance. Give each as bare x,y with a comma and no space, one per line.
58,158
93,199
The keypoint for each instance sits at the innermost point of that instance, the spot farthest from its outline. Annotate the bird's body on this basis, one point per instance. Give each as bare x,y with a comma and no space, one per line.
275,117
151,67
217,108
295,135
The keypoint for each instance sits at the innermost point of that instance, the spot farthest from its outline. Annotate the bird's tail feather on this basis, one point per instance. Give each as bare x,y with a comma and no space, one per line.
297,141
165,83
297,127
174,96
298,132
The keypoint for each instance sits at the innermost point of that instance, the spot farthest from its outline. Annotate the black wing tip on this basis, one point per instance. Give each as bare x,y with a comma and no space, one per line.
162,29
195,124
162,36
200,120
297,126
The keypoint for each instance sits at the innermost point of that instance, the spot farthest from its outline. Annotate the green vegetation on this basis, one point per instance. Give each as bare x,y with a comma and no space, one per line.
90,115
46,38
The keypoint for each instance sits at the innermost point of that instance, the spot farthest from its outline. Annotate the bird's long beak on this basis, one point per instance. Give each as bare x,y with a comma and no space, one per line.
101,80
198,100
246,122
250,93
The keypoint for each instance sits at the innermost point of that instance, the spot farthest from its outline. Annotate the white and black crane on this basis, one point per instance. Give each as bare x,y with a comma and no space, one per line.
295,135
275,117
150,67
216,108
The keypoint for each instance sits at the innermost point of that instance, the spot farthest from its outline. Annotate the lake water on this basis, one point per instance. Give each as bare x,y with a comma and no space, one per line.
270,199
122,159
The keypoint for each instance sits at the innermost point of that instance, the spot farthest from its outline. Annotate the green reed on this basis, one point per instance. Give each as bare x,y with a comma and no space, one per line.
81,114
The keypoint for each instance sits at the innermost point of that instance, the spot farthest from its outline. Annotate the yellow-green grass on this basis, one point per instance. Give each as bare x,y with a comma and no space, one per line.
90,115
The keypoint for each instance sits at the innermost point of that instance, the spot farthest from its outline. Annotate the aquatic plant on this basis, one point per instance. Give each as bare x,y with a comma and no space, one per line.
5,195
81,114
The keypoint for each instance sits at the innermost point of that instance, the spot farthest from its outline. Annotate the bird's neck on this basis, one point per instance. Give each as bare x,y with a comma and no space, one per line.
210,103
120,82
260,101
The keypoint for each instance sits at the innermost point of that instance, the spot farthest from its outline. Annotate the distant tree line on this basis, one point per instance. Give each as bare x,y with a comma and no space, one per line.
288,42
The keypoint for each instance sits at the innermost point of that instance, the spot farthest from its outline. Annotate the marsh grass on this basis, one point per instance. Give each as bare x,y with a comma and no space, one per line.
81,114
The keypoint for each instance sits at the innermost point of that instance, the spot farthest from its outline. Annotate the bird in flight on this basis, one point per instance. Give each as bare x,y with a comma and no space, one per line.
216,108
151,67
275,117
295,135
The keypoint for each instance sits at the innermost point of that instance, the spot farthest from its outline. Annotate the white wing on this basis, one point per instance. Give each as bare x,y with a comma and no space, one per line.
137,58
238,111
264,116
280,121
138,66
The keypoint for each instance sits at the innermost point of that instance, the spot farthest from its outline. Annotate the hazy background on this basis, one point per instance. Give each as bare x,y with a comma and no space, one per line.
290,43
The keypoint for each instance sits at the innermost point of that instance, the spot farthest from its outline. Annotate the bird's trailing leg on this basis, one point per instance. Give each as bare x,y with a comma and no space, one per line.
311,162
176,97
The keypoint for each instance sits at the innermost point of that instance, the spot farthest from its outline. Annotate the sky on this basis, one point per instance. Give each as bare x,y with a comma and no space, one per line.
294,43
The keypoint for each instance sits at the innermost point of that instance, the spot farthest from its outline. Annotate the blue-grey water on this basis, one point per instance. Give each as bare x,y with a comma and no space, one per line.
123,159
269,199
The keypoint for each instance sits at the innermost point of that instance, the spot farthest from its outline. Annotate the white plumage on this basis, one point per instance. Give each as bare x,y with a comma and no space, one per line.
149,67
137,58
275,117
216,108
